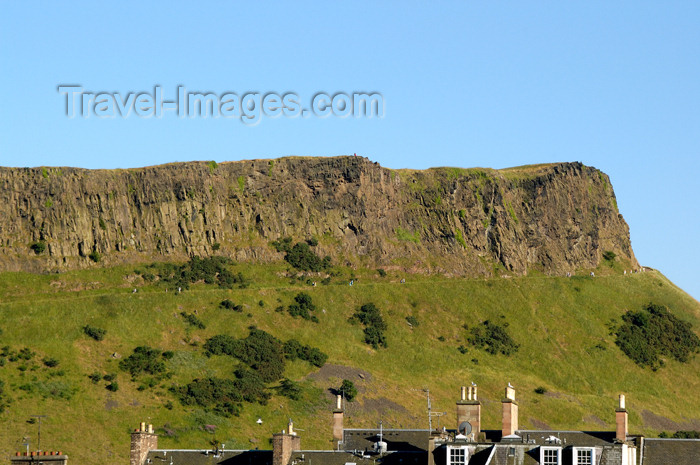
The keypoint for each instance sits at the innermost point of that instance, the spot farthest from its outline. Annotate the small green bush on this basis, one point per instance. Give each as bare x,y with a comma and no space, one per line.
113,386
412,320
303,306
95,256
493,338
230,305
50,362
95,377
303,258
382,273
97,334
38,247
192,320
293,349
290,389
540,390
370,316
348,390
144,360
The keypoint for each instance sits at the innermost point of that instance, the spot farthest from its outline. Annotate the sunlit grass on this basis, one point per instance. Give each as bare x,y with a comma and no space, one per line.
561,325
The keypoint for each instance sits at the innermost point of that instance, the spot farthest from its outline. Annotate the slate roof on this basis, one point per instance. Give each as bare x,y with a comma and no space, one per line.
408,440
342,458
574,438
655,451
658,451
206,457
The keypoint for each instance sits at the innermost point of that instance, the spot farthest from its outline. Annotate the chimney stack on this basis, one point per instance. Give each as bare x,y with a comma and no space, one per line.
621,429
142,441
283,444
338,420
469,409
510,412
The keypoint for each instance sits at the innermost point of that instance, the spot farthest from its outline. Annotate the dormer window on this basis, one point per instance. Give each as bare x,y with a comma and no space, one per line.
457,456
584,456
550,455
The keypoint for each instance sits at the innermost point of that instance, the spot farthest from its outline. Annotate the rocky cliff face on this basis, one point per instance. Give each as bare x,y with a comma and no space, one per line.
551,218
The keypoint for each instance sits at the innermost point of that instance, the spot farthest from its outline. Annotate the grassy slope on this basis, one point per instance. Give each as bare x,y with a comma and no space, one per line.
557,321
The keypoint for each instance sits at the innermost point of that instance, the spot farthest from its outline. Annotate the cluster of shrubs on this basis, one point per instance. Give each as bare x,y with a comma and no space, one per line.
230,305
210,270
224,396
7,353
264,356
375,326
260,350
654,332
145,360
294,349
492,337
303,306
192,320
300,255
109,378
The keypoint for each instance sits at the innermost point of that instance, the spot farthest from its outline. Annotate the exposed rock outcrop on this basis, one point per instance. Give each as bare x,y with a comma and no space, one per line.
553,218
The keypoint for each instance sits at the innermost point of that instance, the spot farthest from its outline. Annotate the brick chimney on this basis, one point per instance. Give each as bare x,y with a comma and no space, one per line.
142,441
338,420
469,409
621,429
510,412
283,444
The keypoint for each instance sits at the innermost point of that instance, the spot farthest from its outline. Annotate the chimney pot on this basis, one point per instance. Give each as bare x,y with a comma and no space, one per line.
143,426
464,393
621,420
510,412
150,429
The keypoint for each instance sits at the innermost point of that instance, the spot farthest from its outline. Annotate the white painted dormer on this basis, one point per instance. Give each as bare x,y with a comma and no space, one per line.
550,455
457,455
584,456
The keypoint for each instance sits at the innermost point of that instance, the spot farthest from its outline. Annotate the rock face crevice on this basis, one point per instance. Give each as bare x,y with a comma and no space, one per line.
551,218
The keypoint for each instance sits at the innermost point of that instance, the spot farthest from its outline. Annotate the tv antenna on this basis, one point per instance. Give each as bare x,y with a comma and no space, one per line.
431,414
38,441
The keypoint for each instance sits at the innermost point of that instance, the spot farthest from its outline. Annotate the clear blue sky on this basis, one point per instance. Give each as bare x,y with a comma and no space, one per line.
615,85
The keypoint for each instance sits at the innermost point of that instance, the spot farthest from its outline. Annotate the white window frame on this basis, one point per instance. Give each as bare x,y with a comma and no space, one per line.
576,451
464,452
544,449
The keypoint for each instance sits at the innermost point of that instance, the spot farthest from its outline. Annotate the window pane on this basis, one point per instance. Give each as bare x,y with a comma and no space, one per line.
585,457
550,457
458,457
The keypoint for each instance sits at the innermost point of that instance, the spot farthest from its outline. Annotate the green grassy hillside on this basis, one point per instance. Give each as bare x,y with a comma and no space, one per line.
562,326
